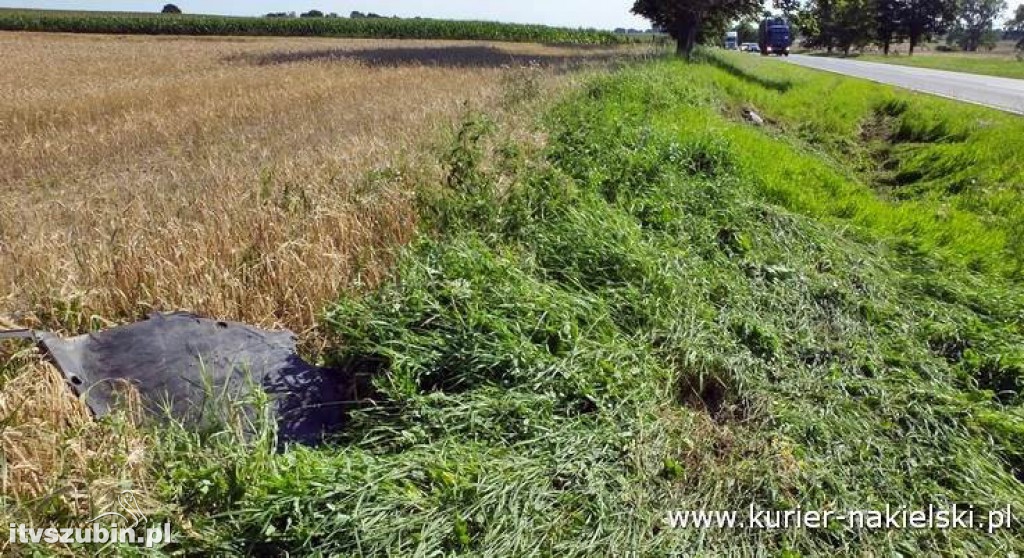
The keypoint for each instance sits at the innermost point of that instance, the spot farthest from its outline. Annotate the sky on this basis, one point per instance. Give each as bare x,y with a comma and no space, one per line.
603,14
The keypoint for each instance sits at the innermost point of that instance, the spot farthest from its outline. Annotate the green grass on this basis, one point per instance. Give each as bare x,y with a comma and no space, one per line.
945,177
380,28
666,308
971,63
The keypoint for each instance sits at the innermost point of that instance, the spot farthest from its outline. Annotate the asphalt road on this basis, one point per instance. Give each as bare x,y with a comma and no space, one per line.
1001,93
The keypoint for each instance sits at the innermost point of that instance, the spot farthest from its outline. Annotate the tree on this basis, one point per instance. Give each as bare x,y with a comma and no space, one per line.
712,31
974,23
1016,26
853,25
816,23
357,15
844,24
746,31
888,23
170,9
923,18
789,8
684,20
312,13
990,40
959,37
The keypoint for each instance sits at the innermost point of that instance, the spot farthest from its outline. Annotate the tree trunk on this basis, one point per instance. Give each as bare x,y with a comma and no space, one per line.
686,36
885,45
913,43
971,44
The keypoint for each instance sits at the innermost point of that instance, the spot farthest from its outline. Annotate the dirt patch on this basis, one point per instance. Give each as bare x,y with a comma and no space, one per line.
713,394
877,136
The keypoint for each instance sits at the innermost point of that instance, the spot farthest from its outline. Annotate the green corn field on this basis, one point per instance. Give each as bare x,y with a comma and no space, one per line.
379,28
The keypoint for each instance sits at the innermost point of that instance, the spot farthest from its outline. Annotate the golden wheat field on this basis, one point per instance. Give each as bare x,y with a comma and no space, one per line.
244,179
250,179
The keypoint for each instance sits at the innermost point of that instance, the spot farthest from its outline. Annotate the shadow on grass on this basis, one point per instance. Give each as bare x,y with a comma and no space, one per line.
779,85
442,57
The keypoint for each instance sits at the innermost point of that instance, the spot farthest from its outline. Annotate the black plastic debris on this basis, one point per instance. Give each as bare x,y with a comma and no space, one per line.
190,366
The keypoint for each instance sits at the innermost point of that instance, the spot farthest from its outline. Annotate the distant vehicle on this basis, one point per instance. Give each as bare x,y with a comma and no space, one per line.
774,37
732,40
750,47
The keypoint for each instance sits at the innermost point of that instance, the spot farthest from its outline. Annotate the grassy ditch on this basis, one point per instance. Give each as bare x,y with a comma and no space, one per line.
946,177
663,308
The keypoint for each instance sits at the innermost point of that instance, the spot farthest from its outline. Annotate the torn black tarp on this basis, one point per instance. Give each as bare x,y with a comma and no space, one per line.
185,364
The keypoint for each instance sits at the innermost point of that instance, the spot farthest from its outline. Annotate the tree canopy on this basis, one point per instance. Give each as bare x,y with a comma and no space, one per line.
888,23
842,24
848,24
684,20
1016,25
974,24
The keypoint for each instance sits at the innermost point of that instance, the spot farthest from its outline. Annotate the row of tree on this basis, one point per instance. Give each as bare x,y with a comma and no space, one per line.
837,24
318,13
1015,27
848,24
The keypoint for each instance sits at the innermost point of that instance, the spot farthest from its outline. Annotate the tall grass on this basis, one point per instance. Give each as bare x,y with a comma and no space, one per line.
630,321
690,344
